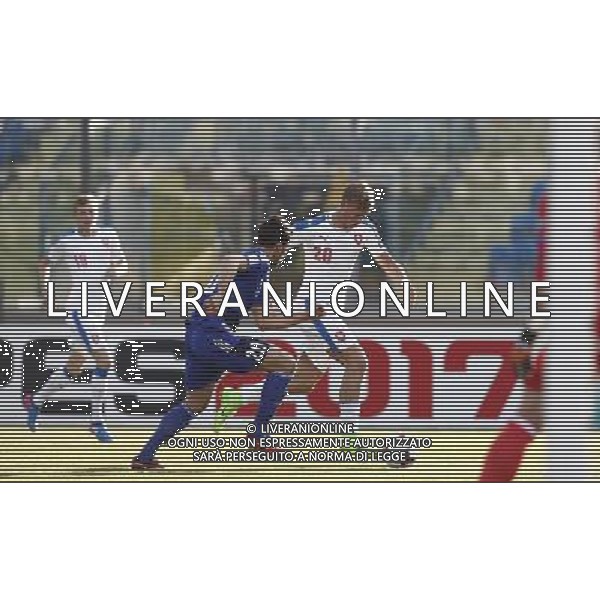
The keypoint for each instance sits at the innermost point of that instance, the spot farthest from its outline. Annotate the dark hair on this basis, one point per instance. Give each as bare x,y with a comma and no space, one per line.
360,194
272,232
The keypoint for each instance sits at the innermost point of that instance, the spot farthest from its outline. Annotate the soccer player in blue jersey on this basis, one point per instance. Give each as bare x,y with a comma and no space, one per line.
332,243
213,347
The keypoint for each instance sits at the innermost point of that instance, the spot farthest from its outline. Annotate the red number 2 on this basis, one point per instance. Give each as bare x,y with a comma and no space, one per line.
421,375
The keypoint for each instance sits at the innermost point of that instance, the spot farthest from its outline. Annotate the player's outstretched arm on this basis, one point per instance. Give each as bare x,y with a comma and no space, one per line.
273,323
395,273
393,270
44,268
119,266
53,254
521,355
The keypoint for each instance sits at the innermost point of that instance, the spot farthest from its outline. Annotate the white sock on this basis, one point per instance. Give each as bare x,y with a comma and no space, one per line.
350,413
54,385
98,399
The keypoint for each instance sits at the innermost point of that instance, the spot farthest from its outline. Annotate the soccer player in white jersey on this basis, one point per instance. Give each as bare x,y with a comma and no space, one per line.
332,243
92,255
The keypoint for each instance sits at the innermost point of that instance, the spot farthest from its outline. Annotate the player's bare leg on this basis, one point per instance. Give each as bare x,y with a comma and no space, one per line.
198,400
354,364
354,361
506,453
306,376
279,367
75,362
533,409
276,361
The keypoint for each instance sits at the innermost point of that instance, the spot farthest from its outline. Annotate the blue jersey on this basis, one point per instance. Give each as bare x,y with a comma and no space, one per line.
249,281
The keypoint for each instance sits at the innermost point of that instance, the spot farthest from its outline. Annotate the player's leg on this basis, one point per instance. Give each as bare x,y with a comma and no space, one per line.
209,355
204,366
90,337
330,338
74,365
99,381
279,367
173,421
330,345
348,369
252,354
354,363
289,376
57,382
314,344
242,354
506,453
306,376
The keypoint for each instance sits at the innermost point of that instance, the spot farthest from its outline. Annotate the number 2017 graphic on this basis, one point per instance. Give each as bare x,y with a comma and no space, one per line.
420,376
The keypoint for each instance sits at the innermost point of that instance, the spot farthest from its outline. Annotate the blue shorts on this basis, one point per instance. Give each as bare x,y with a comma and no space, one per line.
209,352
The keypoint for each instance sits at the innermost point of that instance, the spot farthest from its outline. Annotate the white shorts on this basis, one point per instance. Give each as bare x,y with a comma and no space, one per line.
85,333
318,339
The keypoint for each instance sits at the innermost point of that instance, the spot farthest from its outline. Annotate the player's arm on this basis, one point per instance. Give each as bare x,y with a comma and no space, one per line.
51,256
228,267
394,271
45,270
523,350
118,263
274,323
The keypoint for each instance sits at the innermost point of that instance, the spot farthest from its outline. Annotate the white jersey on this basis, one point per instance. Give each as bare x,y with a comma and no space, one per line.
331,254
87,259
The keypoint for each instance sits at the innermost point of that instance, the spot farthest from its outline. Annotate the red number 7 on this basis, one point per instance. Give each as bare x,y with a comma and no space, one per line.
457,358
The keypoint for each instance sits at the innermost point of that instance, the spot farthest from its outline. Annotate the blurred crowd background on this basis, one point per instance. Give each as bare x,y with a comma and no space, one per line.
462,198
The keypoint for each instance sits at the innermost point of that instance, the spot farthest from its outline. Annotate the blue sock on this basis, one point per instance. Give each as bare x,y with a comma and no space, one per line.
273,392
174,420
